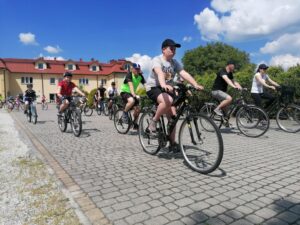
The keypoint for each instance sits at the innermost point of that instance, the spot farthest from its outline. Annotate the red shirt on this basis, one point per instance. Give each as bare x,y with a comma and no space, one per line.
66,88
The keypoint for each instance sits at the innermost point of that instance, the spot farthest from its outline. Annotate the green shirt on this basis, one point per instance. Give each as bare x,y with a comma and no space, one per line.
136,80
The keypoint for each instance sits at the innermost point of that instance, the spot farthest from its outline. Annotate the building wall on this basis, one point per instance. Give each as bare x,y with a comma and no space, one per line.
2,90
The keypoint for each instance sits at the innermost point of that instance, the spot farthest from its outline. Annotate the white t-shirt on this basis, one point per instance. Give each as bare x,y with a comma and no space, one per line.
257,87
112,92
170,68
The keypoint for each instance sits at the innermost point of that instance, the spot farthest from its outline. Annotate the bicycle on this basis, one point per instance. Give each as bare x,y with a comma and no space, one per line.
251,120
84,107
102,107
114,107
286,113
44,105
123,126
71,115
200,140
31,113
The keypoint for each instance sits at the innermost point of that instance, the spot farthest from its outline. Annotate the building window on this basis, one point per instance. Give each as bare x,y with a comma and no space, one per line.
103,81
40,66
70,67
26,80
83,81
94,68
52,80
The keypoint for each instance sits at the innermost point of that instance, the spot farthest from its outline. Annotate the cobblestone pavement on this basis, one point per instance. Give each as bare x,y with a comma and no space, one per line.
258,181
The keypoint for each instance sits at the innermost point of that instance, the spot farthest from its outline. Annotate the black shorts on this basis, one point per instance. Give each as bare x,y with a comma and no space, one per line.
125,96
155,92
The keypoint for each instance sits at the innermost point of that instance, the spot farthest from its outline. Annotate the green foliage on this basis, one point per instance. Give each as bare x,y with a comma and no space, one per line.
212,57
141,91
91,97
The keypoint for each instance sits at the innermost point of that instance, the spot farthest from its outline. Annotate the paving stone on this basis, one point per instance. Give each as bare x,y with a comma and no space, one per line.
265,213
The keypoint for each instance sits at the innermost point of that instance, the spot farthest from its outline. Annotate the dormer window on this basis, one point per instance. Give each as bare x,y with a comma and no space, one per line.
40,65
94,68
70,67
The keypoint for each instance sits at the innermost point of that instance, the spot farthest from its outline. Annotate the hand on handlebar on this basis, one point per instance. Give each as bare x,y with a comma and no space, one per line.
199,87
168,88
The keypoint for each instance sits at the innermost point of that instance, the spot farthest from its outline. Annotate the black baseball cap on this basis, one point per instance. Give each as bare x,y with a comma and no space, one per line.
230,61
263,66
170,42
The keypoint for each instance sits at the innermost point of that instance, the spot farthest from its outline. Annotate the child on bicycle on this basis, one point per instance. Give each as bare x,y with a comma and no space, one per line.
29,97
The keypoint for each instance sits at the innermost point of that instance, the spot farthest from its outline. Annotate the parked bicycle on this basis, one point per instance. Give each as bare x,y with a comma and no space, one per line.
200,140
71,115
286,113
250,119
31,112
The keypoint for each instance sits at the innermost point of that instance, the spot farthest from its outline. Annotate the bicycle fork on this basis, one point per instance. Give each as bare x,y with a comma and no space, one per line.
198,133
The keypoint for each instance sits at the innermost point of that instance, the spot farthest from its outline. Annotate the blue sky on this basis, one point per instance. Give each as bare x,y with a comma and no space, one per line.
134,29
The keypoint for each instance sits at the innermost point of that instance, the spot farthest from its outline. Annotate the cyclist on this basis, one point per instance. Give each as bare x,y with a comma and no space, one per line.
64,91
29,97
223,79
43,99
112,92
164,69
100,95
258,82
128,92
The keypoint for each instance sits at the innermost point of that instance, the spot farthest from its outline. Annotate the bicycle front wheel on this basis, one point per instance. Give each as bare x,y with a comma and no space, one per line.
121,125
150,143
288,118
105,109
76,123
87,110
62,123
202,148
252,121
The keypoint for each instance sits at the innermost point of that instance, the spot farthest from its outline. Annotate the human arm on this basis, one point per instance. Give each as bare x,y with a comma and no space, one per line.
263,82
273,82
229,81
186,76
59,92
79,91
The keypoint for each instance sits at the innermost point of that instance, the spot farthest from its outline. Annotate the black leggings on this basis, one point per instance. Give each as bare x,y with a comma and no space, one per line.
258,99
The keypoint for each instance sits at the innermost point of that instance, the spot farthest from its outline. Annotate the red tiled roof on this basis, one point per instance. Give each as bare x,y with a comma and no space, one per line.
58,66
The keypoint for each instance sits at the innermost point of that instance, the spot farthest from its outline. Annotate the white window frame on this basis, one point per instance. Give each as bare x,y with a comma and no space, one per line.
70,65
26,80
103,82
83,81
52,83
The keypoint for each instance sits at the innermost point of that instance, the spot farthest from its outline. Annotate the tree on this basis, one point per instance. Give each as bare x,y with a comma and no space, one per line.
212,57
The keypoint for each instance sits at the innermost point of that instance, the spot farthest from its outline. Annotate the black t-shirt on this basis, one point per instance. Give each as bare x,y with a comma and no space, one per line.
220,83
102,91
30,94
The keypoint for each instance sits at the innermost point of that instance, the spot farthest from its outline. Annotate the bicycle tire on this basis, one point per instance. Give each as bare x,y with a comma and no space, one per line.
62,123
28,115
288,118
98,109
105,109
149,143
208,110
208,159
252,121
76,123
87,110
45,106
120,126
34,121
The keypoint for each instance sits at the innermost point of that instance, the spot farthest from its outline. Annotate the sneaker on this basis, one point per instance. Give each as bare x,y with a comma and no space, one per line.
135,126
174,148
152,127
218,112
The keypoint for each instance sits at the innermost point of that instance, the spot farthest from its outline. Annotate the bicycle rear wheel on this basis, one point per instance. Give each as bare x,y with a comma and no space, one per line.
105,109
87,110
202,148
150,143
76,123
252,121
121,126
288,118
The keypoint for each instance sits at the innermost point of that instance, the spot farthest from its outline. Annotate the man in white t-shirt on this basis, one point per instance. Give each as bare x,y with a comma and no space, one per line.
164,69
258,82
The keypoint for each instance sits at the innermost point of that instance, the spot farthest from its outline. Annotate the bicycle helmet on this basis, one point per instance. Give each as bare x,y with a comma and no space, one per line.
29,85
68,74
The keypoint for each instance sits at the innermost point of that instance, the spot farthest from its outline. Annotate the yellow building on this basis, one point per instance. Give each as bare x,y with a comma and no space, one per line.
44,74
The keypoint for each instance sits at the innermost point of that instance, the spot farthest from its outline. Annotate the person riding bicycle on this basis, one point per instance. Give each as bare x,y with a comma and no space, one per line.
99,95
112,92
258,82
158,86
128,92
29,97
64,92
43,99
223,79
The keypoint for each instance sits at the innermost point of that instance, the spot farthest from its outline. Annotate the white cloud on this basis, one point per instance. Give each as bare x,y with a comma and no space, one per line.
239,20
53,50
27,38
144,60
285,61
187,39
59,58
287,43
